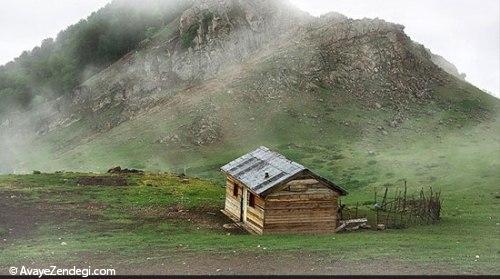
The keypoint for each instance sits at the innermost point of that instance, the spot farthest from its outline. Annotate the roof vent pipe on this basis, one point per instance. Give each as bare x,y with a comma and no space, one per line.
266,175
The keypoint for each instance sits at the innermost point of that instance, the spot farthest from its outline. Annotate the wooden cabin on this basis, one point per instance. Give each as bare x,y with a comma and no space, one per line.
266,193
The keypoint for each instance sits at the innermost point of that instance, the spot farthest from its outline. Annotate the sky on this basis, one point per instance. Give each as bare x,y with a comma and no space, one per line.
25,23
465,32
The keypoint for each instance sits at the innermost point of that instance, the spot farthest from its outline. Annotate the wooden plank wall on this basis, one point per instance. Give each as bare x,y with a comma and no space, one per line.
303,206
255,215
232,205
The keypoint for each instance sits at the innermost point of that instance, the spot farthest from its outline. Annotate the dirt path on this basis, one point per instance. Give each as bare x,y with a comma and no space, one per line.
246,263
289,263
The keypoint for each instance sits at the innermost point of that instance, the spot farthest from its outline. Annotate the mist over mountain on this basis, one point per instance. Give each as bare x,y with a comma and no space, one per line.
186,85
59,65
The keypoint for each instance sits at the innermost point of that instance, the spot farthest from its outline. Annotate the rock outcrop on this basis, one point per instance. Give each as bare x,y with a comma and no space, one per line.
247,55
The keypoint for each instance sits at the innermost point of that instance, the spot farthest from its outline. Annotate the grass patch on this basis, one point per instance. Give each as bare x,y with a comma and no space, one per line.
128,220
187,37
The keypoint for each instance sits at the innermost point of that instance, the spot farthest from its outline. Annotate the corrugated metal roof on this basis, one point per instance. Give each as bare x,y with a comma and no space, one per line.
251,169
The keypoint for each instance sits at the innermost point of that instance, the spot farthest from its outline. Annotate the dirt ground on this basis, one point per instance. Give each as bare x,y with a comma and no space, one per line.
294,263
22,220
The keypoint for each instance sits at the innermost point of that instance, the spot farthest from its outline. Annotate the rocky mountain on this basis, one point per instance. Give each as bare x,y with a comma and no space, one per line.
227,75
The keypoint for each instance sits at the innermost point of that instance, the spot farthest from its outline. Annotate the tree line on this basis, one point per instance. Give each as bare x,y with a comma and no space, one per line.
58,65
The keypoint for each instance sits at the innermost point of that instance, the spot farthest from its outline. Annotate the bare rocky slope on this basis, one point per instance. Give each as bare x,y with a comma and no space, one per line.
230,75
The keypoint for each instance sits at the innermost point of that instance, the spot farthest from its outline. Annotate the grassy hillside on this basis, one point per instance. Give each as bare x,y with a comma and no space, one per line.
167,224
326,93
161,218
327,130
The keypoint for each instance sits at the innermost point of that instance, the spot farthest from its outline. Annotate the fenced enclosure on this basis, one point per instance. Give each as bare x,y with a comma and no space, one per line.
398,209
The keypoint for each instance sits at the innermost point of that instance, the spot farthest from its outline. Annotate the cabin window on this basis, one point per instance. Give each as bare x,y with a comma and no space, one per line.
251,200
235,190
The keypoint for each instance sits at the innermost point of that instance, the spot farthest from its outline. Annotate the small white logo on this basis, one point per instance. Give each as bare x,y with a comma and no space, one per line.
13,270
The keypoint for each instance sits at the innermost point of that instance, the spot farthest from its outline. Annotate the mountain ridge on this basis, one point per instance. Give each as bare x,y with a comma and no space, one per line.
218,76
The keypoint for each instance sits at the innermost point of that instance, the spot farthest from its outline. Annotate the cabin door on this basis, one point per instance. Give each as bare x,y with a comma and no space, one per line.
244,202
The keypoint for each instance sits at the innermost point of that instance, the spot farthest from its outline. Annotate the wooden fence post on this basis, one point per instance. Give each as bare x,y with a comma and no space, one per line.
384,200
